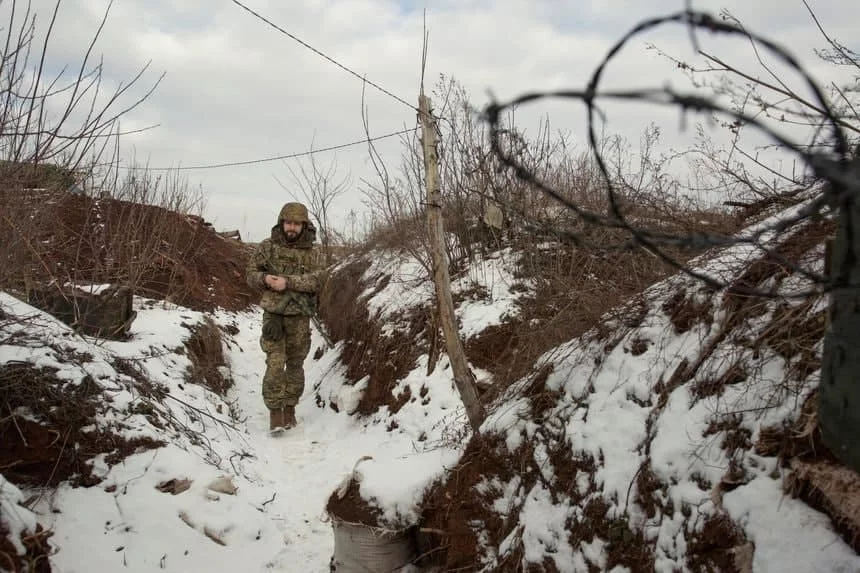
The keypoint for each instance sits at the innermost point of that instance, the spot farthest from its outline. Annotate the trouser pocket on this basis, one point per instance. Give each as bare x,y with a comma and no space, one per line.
273,327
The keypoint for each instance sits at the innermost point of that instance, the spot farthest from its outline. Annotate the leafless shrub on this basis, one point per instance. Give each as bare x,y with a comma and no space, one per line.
396,202
827,157
206,352
142,233
56,135
319,187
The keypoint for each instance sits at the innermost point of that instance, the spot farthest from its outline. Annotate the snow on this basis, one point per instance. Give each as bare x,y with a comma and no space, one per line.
551,537
276,518
396,483
95,289
492,274
14,517
609,400
790,537
609,411
399,281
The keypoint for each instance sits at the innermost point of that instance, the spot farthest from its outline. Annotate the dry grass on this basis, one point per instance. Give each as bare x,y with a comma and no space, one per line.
686,310
60,445
36,557
157,252
206,352
814,474
832,489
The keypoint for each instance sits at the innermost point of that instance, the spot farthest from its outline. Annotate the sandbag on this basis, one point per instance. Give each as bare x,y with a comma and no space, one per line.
364,549
106,313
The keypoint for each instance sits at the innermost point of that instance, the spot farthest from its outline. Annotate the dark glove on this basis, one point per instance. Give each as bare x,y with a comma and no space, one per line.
273,326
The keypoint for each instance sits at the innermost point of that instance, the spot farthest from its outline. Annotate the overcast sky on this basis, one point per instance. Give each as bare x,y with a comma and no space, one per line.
235,89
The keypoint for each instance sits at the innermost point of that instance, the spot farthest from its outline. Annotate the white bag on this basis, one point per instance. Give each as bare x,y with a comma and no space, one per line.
364,549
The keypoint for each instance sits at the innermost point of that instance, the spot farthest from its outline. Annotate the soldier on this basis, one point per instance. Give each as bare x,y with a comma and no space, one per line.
288,267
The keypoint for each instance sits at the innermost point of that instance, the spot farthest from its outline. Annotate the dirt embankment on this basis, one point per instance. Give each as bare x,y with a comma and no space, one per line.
161,254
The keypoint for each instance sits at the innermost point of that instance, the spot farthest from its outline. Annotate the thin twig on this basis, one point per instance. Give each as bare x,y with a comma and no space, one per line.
17,427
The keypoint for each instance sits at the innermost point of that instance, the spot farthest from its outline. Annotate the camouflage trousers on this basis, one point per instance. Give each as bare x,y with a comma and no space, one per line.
286,341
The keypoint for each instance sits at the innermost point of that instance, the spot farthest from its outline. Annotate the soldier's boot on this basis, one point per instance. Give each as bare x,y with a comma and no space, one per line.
276,420
289,413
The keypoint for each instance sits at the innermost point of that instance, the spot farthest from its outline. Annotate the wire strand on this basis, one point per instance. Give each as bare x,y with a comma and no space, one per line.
277,157
321,54
834,166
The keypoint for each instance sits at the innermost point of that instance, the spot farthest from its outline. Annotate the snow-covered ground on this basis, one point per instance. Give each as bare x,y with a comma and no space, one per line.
659,409
275,520
223,495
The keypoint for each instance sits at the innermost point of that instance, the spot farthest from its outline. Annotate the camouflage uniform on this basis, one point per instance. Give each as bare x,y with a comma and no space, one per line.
286,334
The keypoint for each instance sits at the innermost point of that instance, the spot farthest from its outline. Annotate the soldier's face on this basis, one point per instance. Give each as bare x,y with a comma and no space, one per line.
292,230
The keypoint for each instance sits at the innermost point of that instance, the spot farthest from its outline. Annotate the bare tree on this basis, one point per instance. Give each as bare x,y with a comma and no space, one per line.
319,186
755,87
68,121
57,132
396,202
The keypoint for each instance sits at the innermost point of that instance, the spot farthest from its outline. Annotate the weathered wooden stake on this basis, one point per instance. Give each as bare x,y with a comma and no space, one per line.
463,376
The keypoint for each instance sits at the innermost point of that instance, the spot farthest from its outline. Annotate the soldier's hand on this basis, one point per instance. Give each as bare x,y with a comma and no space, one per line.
276,283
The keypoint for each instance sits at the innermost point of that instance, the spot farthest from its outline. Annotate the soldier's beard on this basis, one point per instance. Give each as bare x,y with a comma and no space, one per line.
291,235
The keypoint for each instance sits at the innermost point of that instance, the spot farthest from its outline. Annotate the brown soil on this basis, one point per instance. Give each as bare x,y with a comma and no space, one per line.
35,560
353,508
367,351
735,438
453,508
815,475
206,353
639,346
159,253
57,448
647,486
710,550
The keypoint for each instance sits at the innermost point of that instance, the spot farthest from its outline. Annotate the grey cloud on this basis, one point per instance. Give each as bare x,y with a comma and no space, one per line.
236,89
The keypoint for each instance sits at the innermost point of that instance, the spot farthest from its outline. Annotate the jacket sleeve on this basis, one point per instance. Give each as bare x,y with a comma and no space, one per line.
257,268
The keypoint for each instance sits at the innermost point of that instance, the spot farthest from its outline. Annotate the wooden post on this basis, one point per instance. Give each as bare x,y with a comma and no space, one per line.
463,376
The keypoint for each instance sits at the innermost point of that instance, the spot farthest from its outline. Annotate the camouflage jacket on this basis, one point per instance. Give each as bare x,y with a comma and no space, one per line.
299,262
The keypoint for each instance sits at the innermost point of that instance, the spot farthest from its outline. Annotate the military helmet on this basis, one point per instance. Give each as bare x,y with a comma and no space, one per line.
294,213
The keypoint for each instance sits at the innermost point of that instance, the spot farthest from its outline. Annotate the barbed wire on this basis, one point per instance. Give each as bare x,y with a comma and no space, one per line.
832,166
323,55
256,161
